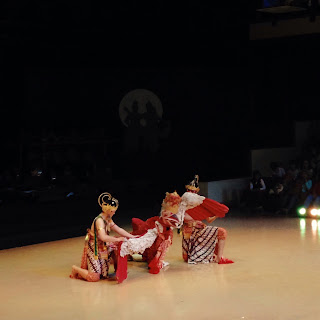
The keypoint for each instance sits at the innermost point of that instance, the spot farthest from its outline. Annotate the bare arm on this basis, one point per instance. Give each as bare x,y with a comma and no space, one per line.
187,217
102,235
121,231
211,219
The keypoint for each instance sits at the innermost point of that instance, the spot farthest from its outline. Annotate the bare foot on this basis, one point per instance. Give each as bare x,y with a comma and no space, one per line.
74,273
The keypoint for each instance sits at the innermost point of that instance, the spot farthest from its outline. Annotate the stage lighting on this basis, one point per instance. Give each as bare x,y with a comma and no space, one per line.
302,211
314,212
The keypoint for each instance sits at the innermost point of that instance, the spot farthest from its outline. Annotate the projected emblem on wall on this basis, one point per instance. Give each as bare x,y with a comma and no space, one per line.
138,107
141,111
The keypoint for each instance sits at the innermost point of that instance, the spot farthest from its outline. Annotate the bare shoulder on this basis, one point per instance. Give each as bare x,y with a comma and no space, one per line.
98,222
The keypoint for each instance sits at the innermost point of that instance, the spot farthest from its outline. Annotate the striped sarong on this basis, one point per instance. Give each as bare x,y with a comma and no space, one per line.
98,266
199,246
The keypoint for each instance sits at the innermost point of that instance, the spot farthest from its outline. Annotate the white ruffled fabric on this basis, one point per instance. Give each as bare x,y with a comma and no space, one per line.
139,245
189,200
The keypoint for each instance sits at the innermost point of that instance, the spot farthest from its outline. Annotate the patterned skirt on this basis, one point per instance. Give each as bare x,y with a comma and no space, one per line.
100,265
198,244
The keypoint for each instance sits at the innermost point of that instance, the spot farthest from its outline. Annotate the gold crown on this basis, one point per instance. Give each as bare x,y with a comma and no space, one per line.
193,188
107,200
172,198
194,184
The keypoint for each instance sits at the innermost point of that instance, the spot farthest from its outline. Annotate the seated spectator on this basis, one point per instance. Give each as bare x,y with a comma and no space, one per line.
296,193
277,170
275,196
257,190
307,168
313,197
291,174
277,188
307,184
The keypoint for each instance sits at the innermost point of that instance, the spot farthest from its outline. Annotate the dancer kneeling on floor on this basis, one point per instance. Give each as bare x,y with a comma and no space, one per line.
101,249
202,243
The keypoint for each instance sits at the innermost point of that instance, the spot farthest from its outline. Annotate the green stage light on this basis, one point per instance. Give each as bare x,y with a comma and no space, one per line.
302,211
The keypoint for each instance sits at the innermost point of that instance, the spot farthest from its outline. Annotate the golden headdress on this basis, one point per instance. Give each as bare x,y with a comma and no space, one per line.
107,201
169,209
172,199
193,186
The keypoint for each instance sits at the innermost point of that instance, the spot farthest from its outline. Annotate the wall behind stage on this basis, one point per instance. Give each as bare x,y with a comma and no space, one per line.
205,110
201,108
262,158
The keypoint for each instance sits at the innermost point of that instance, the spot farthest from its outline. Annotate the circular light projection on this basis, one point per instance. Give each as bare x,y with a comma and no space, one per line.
137,103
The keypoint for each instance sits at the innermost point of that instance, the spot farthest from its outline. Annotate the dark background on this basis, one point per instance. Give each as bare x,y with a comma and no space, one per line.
67,65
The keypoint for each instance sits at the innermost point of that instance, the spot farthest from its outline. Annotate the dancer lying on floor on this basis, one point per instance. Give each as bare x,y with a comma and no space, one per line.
202,243
101,249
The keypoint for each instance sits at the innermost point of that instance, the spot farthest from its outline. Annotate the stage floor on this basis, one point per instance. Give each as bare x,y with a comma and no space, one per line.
275,276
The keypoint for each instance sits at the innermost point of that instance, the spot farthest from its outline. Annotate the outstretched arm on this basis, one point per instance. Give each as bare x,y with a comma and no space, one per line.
188,217
198,223
102,235
211,219
121,231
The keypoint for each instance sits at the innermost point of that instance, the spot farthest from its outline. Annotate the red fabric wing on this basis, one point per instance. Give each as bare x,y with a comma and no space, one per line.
208,208
140,227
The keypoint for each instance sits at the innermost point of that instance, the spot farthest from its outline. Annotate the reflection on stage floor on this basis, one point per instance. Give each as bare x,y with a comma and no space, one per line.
275,276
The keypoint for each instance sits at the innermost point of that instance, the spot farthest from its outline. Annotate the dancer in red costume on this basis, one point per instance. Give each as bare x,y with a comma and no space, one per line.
100,248
202,243
155,234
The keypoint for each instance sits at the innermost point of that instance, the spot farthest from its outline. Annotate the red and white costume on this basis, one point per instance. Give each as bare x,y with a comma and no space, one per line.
156,233
200,242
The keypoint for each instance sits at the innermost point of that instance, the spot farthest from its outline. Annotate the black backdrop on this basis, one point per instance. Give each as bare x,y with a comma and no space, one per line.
68,65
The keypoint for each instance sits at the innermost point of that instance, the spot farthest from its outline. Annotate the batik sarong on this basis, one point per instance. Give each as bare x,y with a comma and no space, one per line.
199,242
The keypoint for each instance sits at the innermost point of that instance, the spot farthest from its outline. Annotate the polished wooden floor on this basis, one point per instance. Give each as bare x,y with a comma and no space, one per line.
275,276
